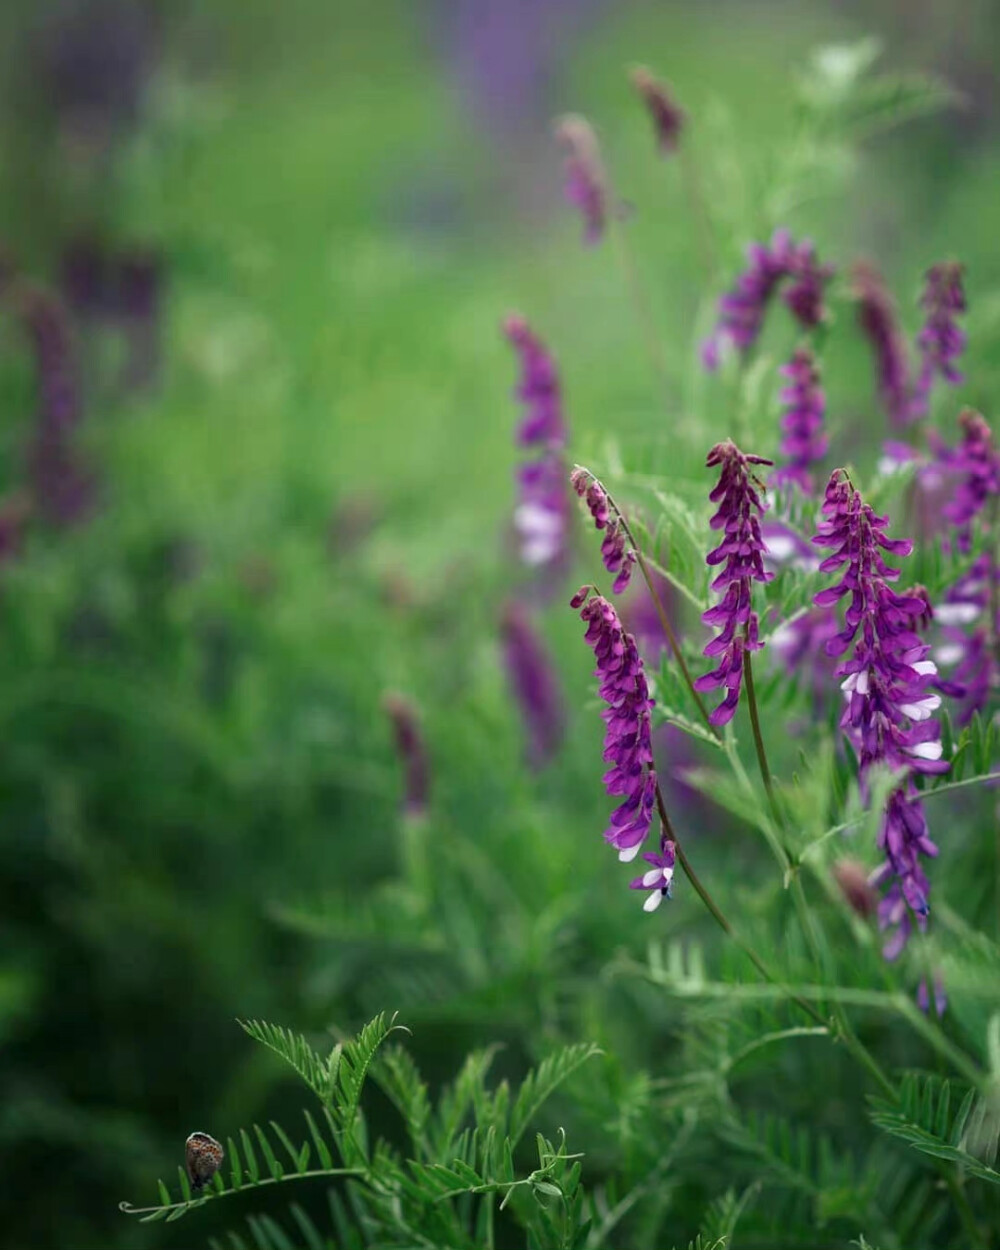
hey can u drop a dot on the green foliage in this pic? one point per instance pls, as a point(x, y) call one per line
point(927, 1119)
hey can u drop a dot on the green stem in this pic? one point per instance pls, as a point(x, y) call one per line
point(758, 739)
point(699, 210)
point(718, 916)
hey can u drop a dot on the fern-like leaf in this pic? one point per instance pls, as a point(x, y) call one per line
point(541, 1083)
point(296, 1052)
point(924, 1120)
point(246, 1172)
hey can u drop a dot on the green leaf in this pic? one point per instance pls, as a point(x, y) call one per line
point(540, 1084)
point(294, 1050)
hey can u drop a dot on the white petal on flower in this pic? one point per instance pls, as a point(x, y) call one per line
point(925, 666)
point(927, 750)
point(957, 613)
point(629, 853)
point(648, 878)
point(654, 900)
point(923, 709)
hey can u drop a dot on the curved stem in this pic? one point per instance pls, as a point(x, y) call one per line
point(717, 914)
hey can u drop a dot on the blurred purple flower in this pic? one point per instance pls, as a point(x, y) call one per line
point(804, 441)
point(942, 340)
point(887, 683)
point(62, 487)
point(586, 184)
point(940, 997)
point(878, 322)
point(616, 551)
point(542, 516)
point(412, 753)
point(742, 310)
point(965, 644)
point(627, 741)
point(534, 683)
point(537, 388)
point(667, 116)
point(742, 548)
point(976, 463)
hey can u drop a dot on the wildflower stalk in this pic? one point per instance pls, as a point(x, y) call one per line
point(699, 211)
point(661, 611)
point(758, 738)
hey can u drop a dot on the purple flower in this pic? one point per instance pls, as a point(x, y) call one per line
point(941, 341)
point(616, 552)
point(742, 549)
point(63, 488)
point(542, 515)
point(940, 997)
point(666, 114)
point(412, 753)
point(586, 184)
point(742, 310)
point(804, 441)
point(968, 653)
point(534, 683)
point(658, 879)
point(888, 718)
point(977, 465)
point(877, 319)
point(627, 744)
point(537, 388)
point(801, 644)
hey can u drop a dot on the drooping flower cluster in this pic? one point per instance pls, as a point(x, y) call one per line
point(741, 553)
point(617, 553)
point(742, 310)
point(542, 515)
point(411, 752)
point(887, 684)
point(585, 181)
point(534, 683)
point(941, 341)
point(627, 738)
point(666, 114)
point(805, 403)
point(878, 322)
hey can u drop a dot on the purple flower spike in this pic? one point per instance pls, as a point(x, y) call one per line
point(968, 653)
point(804, 298)
point(537, 388)
point(616, 551)
point(742, 549)
point(888, 717)
point(804, 441)
point(878, 322)
point(666, 114)
point(412, 753)
point(534, 683)
point(941, 341)
point(586, 184)
point(658, 879)
point(977, 462)
point(743, 309)
point(627, 738)
point(542, 515)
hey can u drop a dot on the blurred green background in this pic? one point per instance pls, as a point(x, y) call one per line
point(304, 499)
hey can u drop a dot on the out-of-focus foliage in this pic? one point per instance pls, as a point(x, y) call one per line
point(303, 487)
